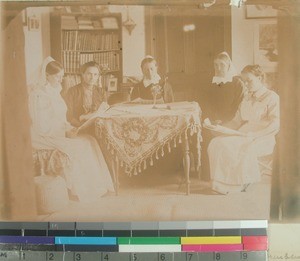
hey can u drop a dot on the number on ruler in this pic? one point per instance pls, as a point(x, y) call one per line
point(189, 256)
point(106, 257)
point(51, 256)
point(162, 257)
point(77, 256)
point(23, 257)
point(217, 256)
point(135, 258)
point(3, 254)
point(244, 255)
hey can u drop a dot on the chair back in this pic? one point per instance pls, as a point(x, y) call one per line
point(118, 97)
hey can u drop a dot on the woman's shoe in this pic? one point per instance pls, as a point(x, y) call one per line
point(217, 192)
point(245, 187)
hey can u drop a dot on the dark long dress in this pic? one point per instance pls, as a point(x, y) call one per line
point(74, 100)
point(220, 102)
point(140, 91)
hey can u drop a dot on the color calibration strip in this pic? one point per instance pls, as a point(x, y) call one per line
point(199, 240)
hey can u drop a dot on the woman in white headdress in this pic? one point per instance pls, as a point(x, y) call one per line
point(221, 100)
point(226, 90)
point(234, 159)
point(87, 176)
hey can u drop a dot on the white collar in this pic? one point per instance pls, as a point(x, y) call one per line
point(218, 80)
point(154, 80)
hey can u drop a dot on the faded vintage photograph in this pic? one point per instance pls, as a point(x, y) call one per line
point(148, 112)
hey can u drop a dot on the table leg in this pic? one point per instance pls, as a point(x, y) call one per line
point(115, 168)
point(187, 163)
point(117, 175)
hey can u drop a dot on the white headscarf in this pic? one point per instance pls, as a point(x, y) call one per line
point(39, 78)
point(230, 73)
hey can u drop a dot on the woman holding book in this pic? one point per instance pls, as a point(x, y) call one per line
point(85, 99)
point(152, 87)
point(234, 159)
point(87, 175)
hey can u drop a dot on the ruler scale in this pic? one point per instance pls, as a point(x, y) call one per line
point(117, 256)
point(135, 241)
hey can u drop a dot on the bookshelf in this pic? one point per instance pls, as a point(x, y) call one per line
point(78, 38)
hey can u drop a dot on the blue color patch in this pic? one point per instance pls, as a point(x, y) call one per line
point(85, 240)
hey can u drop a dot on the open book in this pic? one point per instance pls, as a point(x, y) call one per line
point(221, 129)
point(91, 120)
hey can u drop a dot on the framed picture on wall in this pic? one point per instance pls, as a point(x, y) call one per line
point(112, 85)
point(34, 23)
point(260, 11)
point(265, 44)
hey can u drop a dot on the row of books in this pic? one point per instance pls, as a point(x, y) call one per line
point(90, 41)
point(86, 22)
point(73, 60)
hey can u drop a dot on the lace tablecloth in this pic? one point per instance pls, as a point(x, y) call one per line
point(136, 135)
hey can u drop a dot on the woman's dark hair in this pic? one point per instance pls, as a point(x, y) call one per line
point(147, 60)
point(256, 70)
point(84, 67)
point(53, 67)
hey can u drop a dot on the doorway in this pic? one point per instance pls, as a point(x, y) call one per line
point(184, 43)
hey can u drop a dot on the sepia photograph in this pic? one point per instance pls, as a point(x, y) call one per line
point(131, 111)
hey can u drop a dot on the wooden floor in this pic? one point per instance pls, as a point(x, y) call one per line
point(161, 196)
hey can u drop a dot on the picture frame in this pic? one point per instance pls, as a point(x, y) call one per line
point(112, 84)
point(33, 23)
point(260, 11)
point(266, 45)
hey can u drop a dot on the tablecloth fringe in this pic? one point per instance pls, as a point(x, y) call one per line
point(148, 160)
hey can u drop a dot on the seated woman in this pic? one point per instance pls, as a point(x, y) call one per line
point(226, 91)
point(152, 86)
point(87, 175)
point(84, 99)
point(220, 100)
point(234, 159)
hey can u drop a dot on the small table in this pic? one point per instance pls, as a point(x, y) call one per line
point(136, 134)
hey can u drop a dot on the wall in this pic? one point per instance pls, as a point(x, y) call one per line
point(134, 45)
point(37, 43)
point(242, 38)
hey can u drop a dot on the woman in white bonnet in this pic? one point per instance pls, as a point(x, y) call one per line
point(234, 159)
point(220, 101)
point(87, 176)
point(226, 90)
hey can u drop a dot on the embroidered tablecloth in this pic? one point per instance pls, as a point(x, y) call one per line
point(138, 134)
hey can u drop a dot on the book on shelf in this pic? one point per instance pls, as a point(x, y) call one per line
point(85, 23)
point(69, 22)
point(89, 41)
point(79, 46)
point(109, 23)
